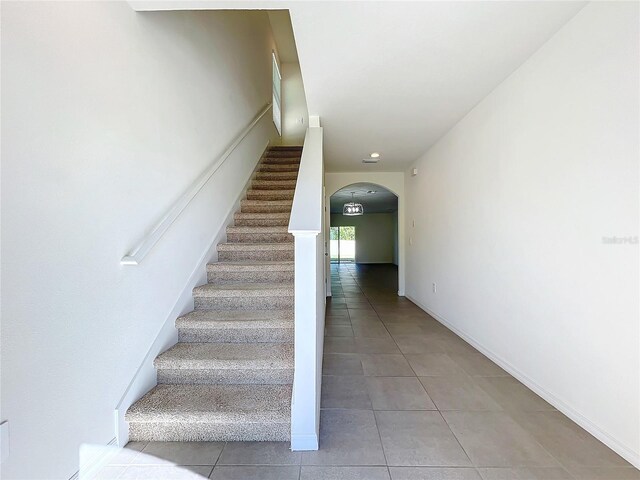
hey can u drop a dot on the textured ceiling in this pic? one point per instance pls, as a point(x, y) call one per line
point(381, 201)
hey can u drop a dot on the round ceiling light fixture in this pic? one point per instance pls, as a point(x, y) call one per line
point(352, 208)
point(375, 155)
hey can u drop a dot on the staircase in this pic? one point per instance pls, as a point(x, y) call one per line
point(229, 376)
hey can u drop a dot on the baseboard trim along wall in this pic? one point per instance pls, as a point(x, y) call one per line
point(145, 377)
point(626, 453)
point(96, 456)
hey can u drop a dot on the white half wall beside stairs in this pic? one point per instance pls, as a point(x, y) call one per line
point(107, 116)
point(513, 210)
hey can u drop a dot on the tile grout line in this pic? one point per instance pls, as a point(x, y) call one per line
point(375, 417)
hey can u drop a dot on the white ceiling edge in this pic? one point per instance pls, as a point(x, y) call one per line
point(283, 35)
point(169, 5)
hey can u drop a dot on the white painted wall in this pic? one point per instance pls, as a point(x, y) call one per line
point(392, 181)
point(294, 105)
point(107, 116)
point(511, 208)
point(375, 235)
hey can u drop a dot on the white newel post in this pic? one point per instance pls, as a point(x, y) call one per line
point(306, 225)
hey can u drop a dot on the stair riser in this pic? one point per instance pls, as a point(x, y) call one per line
point(261, 222)
point(281, 161)
point(267, 255)
point(269, 195)
point(259, 237)
point(284, 154)
point(243, 303)
point(232, 335)
point(279, 167)
point(273, 184)
point(256, 276)
point(234, 376)
point(265, 208)
point(209, 432)
point(276, 175)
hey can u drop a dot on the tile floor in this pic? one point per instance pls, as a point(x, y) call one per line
point(403, 399)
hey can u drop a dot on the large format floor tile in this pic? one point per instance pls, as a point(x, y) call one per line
point(570, 444)
point(605, 473)
point(398, 393)
point(386, 365)
point(181, 453)
point(349, 391)
point(342, 364)
point(376, 345)
point(262, 472)
point(344, 473)
point(338, 331)
point(525, 473)
point(165, 472)
point(494, 439)
point(512, 395)
point(458, 392)
point(419, 438)
point(429, 364)
point(433, 473)
point(477, 364)
point(259, 453)
point(347, 437)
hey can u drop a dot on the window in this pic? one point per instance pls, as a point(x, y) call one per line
point(277, 80)
point(343, 244)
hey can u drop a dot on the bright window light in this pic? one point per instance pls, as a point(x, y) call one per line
point(277, 80)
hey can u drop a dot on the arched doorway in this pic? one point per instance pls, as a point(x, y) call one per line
point(391, 181)
point(368, 241)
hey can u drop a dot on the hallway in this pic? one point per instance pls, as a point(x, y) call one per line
point(402, 390)
point(403, 399)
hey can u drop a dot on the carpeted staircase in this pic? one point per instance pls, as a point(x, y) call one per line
point(229, 376)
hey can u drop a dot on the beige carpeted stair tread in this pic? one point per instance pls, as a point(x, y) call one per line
point(257, 356)
point(214, 404)
point(248, 247)
point(264, 215)
point(245, 290)
point(273, 184)
point(236, 319)
point(253, 266)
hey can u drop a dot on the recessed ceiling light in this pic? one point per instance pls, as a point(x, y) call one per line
point(375, 155)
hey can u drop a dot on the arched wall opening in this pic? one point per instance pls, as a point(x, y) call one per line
point(389, 184)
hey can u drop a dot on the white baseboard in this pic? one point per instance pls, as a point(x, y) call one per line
point(625, 452)
point(145, 377)
point(304, 443)
point(92, 458)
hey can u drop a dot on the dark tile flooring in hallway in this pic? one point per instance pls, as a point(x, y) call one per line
point(403, 398)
